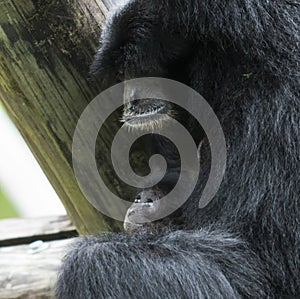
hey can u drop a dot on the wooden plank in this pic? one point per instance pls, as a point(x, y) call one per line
point(24, 231)
point(25, 273)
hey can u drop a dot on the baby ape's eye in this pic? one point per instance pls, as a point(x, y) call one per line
point(137, 199)
point(149, 202)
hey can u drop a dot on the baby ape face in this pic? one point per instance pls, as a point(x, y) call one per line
point(146, 207)
point(142, 211)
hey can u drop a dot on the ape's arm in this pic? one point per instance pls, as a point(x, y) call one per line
point(179, 264)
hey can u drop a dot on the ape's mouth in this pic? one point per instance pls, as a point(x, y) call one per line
point(145, 114)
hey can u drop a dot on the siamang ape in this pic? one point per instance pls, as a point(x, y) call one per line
point(243, 57)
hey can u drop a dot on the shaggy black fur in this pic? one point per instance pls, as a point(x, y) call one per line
point(243, 57)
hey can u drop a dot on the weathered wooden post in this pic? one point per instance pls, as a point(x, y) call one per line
point(46, 47)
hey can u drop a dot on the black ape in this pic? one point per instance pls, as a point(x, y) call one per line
point(243, 57)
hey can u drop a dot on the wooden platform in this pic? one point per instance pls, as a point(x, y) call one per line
point(30, 255)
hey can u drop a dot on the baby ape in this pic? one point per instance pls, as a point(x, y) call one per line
point(243, 57)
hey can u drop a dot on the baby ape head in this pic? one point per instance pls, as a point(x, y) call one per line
point(145, 207)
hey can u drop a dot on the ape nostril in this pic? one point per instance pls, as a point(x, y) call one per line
point(149, 200)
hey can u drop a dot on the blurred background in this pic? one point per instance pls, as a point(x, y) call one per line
point(24, 188)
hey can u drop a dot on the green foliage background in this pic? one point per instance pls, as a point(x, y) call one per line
point(7, 210)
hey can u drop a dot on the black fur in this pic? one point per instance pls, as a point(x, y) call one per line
point(243, 57)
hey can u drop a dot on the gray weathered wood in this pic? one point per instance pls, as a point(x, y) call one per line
point(22, 231)
point(24, 274)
